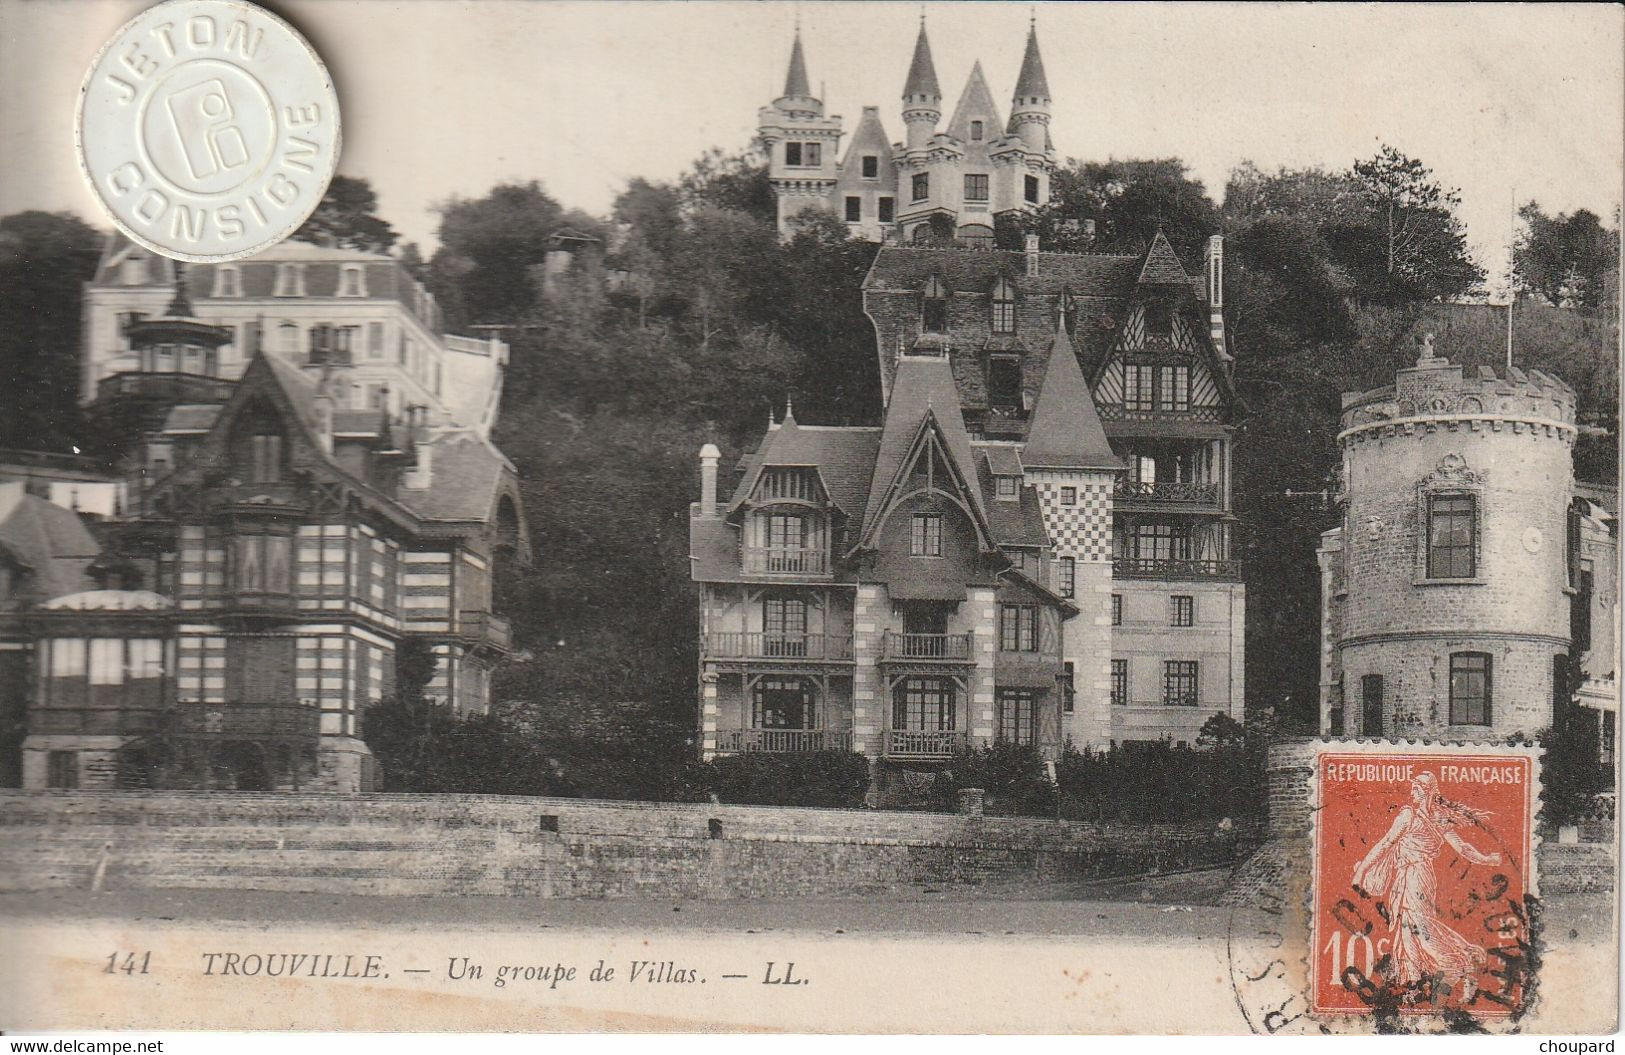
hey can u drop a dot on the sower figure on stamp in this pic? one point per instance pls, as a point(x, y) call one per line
point(1399, 869)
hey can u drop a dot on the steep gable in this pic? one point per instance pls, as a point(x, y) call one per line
point(1066, 432)
point(975, 104)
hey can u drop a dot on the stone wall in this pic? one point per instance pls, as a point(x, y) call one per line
point(534, 847)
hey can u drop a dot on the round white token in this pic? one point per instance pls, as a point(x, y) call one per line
point(209, 129)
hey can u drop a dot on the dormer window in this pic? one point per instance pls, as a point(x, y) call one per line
point(1004, 306)
point(228, 281)
point(352, 281)
point(934, 306)
point(1007, 488)
point(976, 131)
point(290, 280)
point(871, 166)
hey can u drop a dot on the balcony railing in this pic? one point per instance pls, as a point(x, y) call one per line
point(1189, 493)
point(166, 385)
point(278, 495)
point(93, 721)
point(223, 719)
point(921, 744)
point(485, 628)
point(953, 648)
point(786, 560)
point(782, 741)
point(1117, 412)
point(1176, 570)
point(736, 645)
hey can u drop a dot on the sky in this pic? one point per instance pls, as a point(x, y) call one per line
point(445, 98)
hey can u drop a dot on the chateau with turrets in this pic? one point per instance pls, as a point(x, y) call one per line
point(1469, 566)
point(938, 183)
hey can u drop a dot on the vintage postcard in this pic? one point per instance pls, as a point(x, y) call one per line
point(532, 516)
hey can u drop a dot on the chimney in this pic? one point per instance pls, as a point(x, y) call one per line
point(1215, 293)
point(1032, 256)
point(708, 479)
point(422, 471)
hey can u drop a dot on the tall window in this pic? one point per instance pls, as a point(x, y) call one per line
point(925, 535)
point(786, 531)
point(227, 281)
point(287, 335)
point(1137, 387)
point(888, 209)
point(1162, 542)
point(976, 131)
point(934, 306)
point(1068, 575)
point(976, 186)
point(1016, 713)
point(265, 458)
point(871, 166)
point(352, 281)
point(1371, 704)
point(263, 564)
point(1004, 307)
point(784, 622)
point(1452, 523)
point(1117, 609)
point(924, 705)
point(1069, 688)
point(922, 186)
point(1179, 682)
point(375, 340)
point(1182, 610)
point(290, 280)
point(1119, 683)
point(1018, 628)
point(854, 208)
point(1469, 688)
point(1030, 188)
point(1004, 382)
point(1173, 388)
point(782, 703)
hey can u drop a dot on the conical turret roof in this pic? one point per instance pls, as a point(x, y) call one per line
point(795, 81)
point(1066, 432)
point(922, 73)
point(1031, 83)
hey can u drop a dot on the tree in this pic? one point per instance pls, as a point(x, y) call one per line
point(1566, 259)
point(735, 182)
point(482, 270)
point(45, 258)
point(347, 218)
point(1423, 244)
point(1117, 207)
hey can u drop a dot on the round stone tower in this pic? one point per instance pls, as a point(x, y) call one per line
point(1453, 593)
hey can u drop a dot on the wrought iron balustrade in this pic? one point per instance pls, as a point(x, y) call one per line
point(1191, 493)
point(1175, 569)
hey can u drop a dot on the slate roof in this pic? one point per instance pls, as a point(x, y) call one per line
point(976, 101)
point(49, 541)
point(191, 417)
point(795, 81)
point(1019, 523)
point(1031, 81)
point(922, 72)
point(845, 458)
point(1162, 266)
point(1066, 432)
point(465, 481)
point(360, 423)
point(922, 390)
point(906, 269)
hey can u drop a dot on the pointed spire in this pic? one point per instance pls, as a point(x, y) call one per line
point(181, 306)
point(1031, 83)
point(795, 82)
point(789, 411)
point(1066, 432)
point(922, 72)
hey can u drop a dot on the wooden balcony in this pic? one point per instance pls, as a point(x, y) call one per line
point(168, 386)
point(785, 560)
point(771, 647)
point(1128, 492)
point(781, 741)
point(280, 497)
point(485, 629)
point(1175, 570)
point(929, 648)
point(923, 745)
point(1117, 412)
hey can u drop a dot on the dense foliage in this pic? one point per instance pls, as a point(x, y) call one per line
point(833, 779)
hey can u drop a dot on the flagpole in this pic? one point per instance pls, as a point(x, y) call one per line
point(1512, 285)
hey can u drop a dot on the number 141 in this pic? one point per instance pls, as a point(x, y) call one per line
point(131, 965)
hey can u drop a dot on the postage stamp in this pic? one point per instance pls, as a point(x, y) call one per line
point(1423, 882)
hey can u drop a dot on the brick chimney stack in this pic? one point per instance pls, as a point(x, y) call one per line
point(708, 479)
point(1215, 293)
point(1032, 255)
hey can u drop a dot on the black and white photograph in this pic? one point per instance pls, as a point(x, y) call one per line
point(547, 516)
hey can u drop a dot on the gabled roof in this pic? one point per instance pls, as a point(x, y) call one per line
point(1031, 81)
point(466, 480)
point(47, 540)
point(922, 73)
point(869, 138)
point(923, 398)
point(1162, 266)
point(795, 81)
point(1018, 523)
point(1066, 432)
point(975, 103)
point(975, 271)
point(845, 458)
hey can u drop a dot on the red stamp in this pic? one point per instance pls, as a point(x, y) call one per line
point(1421, 880)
